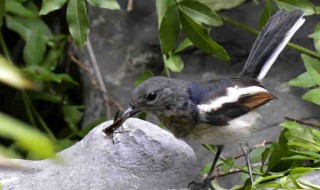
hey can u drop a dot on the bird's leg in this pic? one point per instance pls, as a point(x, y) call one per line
point(246, 151)
point(207, 182)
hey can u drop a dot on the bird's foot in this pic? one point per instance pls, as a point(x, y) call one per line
point(205, 185)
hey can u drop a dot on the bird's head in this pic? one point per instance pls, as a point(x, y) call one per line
point(156, 95)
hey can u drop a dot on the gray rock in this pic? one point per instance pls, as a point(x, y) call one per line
point(143, 157)
point(313, 178)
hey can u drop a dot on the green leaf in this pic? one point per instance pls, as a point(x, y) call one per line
point(162, 7)
point(35, 47)
point(211, 148)
point(17, 25)
point(169, 29)
point(174, 63)
point(227, 165)
point(45, 75)
point(298, 157)
point(2, 12)
point(72, 115)
point(38, 145)
point(290, 5)
point(290, 124)
point(316, 134)
point(18, 9)
point(300, 135)
point(312, 96)
point(265, 154)
point(304, 81)
point(200, 37)
point(205, 169)
point(107, 4)
point(78, 22)
point(275, 164)
point(314, 155)
point(222, 4)
point(266, 178)
point(313, 67)
point(12, 76)
point(53, 56)
point(24, 26)
point(46, 96)
point(299, 145)
point(51, 5)
point(267, 12)
point(255, 155)
point(146, 75)
point(200, 12)
point(307, 185)
point(316, 37)
point(184, 44)
point(295, 173)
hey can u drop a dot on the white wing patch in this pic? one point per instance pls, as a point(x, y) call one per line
point(233, 94)
point(280, 47)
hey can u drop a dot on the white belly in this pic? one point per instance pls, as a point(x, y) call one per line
point(238, 130)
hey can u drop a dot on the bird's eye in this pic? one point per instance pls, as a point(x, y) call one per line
point(151, 96)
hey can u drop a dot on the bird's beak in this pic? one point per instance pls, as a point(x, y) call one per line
point(130, 111)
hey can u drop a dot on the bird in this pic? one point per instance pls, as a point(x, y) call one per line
point(222, 111)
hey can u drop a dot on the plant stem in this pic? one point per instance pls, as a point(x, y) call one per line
point(300, 121)
point(4, 48)
point(38, 117)
point(256, 32)
point(28, 109)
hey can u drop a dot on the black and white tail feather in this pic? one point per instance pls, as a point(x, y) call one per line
point(270, 42)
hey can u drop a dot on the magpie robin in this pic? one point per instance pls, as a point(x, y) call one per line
point(221, 111)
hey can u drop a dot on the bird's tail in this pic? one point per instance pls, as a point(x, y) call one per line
point(271, 41)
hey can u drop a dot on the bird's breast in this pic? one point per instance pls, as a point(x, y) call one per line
point(238, 129)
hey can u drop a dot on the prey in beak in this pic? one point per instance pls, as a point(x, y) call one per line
point(118, 121)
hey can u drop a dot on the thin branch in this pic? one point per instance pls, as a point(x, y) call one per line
point(256, 32)
point(262, 144)
point(4, 48)
point(232, 171)
point(303, 122)
point(99, 77)
point(38, 116)
point(94, 82)
point(130, 5)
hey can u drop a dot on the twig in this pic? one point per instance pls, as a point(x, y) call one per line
point(44, 126)
point(130, 5)
point(99, 77)
point(262, 144)
point(4, 48)
point(232, 171)
point(94, 82)
point(303, 122)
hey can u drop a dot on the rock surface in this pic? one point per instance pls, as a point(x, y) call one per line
point(313, 178)
point(143, 157)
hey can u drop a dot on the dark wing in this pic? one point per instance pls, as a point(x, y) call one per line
point(227, 99)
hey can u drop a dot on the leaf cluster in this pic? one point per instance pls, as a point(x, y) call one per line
point(194, 18)
point(43, 70)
